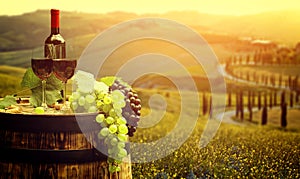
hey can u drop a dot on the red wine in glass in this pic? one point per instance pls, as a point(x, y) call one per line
point(64, 69)
point(42, 68)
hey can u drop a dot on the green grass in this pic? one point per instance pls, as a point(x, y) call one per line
point(12, 71)
point(10, 78)
point(248, 151)
point(234, 152)
point(293, 118)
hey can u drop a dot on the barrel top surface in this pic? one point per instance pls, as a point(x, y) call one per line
point(52, 122)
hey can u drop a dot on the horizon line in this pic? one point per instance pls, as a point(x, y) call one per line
point(166, 12)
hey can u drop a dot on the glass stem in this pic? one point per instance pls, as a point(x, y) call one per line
point(44, 94)
point(65, 94)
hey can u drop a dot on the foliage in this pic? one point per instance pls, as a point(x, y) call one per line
point(7, 101)
point(53, 88)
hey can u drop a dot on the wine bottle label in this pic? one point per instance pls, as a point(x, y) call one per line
point(54, 18)
point(55, 51)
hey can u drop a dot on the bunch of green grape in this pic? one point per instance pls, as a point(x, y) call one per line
point(96, 96)
point(114, 130)
point(83, 99)
point(83, 102)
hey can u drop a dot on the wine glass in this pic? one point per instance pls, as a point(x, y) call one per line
point(42, 68)
point(64, 69)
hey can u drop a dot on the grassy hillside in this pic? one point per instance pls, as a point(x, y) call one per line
point(31, 29)
point(10, 78)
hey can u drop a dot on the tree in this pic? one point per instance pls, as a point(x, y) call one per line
point(265, 99)
point(291, 99)
point(253, 98)
point(290, 81)
point(237, 104)
point(264, 117)
point(297, 96)
point(283, 115)
point(259, 100)
point(280, 80)
point(282, 100)
point(271, 101)
point(250, 105)
point(275, 98)
point(241, 105)
point(229, 98)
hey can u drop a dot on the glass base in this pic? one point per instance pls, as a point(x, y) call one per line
point(65, 108)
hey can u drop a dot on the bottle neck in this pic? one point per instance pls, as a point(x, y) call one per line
point(54, 22)
point(54, 30)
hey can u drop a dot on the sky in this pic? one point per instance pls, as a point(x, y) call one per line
point(227, 7)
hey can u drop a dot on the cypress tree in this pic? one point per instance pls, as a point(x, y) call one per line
point(265, 99)
point(291, 99)
point(283, 115)
point(259, 100)
point(275, 98)
point(282, 100)
point(241, 105)
point(271, 100)
point(250, 105)
point(253, 98)
point(237, 104)
point(264, 115)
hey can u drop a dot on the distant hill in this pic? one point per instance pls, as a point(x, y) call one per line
point(281, 26)
point(29, 30)
point(19, 35)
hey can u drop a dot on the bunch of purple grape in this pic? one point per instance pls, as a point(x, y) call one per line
point(131, 112)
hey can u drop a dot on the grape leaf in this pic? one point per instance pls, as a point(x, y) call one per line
point(53, 88)
point(30, 80)
point(108, 80)
point(7, 101)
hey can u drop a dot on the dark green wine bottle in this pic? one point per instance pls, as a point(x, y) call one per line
point(55, 44)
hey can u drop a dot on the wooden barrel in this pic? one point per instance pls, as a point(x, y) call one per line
point(53, 146)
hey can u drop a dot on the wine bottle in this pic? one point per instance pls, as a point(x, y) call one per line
point(55, 44)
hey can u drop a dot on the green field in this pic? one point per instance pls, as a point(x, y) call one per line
point(236, 151)
point(10, 78)
point(248, 150)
